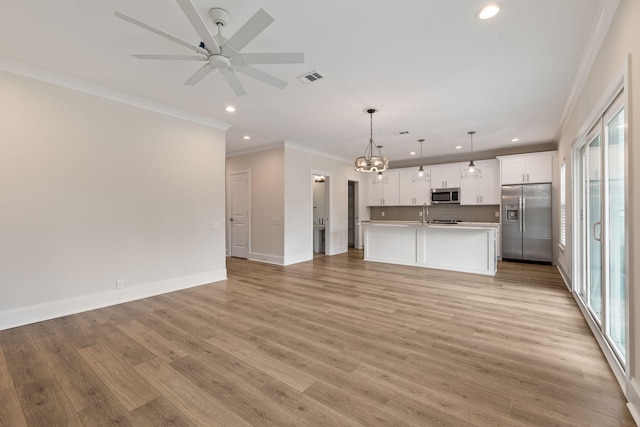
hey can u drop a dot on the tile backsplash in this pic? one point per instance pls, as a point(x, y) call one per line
point(484, 213)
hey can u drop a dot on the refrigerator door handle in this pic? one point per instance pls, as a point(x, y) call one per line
point(520, 214)
point(524, 209)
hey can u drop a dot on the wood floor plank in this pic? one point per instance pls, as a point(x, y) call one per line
point(160, 412)
point(77, 379)
point(333, 341)
point(10, 410)
point(354, 407)
point(130, 389)
point(45, 404)
point(244, 400)
point(22, 357)
point(201, 408)
point(305, 408)
point(152, 341)
point(106, 413)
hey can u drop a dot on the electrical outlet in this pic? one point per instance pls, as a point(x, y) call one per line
point(419, 213)
point(382, 213)
point(119, 284)
point(216, 226)
point(497, 214)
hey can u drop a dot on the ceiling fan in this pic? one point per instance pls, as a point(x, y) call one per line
point(223, 53)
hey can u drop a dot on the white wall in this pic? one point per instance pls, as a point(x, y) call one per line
point(300, 165)
point(93, 190)
point(282, 189)
point(622, 40)
point(267, 202)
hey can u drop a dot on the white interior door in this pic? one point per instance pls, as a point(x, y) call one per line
point(239, 213)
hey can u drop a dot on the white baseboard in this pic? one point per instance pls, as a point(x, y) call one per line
point(565, 275)
point(36, 313)
point(269, 259)
point(294, 259)
point(339, 250)
point(633, 397)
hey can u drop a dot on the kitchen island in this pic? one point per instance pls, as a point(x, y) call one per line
point(466, 247)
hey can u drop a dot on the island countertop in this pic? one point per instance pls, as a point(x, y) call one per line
point(465, 246)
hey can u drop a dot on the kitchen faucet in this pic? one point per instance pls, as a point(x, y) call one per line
point(425, 212)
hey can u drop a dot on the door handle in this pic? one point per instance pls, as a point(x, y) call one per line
point(599, 225)
point(524, 209)
point(520, 214)
point(231, 219)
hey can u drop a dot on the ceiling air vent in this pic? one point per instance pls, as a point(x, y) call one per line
point(310, 77)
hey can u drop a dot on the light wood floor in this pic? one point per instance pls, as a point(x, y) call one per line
point(331, 342)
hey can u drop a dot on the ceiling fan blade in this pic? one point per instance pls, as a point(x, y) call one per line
point(273, 58)
point(250, 30)
point(160, 33)
point(172, 57)
point(200, 74)
point(198, 24)
point(262, 76)
point(232, 78)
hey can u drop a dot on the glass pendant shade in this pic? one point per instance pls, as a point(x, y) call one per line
point(380, 179)
point(369, 162)
point(471, 171)
point(421, 175)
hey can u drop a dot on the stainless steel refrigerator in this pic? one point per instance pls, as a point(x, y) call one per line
point(526, 223)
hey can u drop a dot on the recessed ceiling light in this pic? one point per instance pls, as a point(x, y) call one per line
point(413, 153)
point(458, 147)
point(246, 137)
point(488, 11)
point(230, 109)
point(515, 140)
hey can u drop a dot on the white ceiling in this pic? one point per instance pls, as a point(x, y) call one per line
point(429, 66)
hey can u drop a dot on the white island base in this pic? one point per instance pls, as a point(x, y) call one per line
point(465, 248)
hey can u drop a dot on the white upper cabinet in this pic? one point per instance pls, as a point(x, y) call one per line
point(385, 191)
point(484, 190)
point(445, 176)
point(527, 168)
point(414, 192)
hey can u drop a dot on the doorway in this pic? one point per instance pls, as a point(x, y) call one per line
point(353, 220)
point(601, 238)
point(239, 208)
point(321, 207)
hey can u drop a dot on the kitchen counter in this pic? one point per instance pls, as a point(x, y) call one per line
point(466, 246)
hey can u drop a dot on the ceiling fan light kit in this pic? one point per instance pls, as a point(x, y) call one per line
point(220, 53)
point(369, 162)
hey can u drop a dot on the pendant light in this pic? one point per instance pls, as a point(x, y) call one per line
point(471, 171)
point(369, 162)
point(421, 175)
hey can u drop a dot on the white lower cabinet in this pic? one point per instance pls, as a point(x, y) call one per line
point(484, 190)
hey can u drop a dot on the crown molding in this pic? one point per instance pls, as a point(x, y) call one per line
point(599, 29)
point(103, 92)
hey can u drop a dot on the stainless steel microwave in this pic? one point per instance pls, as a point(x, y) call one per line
point(445, 195)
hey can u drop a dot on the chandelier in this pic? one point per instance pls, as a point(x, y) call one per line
point(369, 162)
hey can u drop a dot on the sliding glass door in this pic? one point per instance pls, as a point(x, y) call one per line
point(601, 240)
